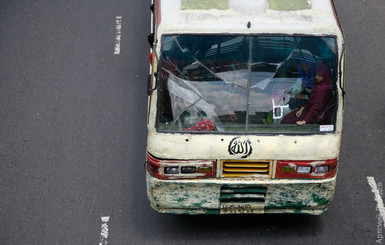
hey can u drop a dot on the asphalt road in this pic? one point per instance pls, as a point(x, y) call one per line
point(73, 133)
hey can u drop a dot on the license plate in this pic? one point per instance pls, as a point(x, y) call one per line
point(238, 209)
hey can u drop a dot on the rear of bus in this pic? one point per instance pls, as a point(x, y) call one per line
point(219, 141)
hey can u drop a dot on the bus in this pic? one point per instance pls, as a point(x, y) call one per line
point(245, 106)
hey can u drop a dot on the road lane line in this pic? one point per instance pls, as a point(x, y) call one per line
point(377, 198)
point(118, 34)
point(104, 230)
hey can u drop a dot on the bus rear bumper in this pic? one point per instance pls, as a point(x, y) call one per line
point(235, 196)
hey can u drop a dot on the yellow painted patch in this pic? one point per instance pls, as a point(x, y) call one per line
point(205, 4)
point(292, 5)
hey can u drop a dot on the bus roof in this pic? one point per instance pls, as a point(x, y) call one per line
point(248, 16)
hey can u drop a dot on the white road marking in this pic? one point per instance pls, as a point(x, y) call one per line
point(118, 34)
point(377, 198)
point(104, 230)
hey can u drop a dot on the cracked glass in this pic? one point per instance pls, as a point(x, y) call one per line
point(246, 84)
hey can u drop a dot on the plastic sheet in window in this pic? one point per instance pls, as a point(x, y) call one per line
point(187, 99)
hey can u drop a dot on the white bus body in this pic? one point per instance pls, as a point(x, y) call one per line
point(225, 73)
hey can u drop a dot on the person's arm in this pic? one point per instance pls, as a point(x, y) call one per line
point(314, 109)
point(299, 112)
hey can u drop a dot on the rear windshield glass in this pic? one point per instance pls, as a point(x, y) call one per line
point(249, 84)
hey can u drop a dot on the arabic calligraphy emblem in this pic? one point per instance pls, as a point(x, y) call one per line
point(239, 146)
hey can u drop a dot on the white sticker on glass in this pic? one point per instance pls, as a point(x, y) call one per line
point(326, 128)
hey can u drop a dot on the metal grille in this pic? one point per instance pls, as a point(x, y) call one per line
point(239, 168)
point(237, 195)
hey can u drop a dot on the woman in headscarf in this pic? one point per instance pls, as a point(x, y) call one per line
point(301, 92)
point(320, 97)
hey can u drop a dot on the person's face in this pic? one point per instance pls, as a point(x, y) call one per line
point(318, 78)
point(305, 67)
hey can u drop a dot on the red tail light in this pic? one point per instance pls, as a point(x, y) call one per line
point(180, 169)
point(306, 169)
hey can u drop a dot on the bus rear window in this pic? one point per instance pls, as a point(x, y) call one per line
point(247, 84)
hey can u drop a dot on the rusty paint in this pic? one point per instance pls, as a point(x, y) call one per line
point(203, 196)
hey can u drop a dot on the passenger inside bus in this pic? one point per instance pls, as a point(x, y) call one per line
point(301, 92)
point(319, 101)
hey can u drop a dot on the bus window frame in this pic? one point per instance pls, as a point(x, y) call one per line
point(336, 77)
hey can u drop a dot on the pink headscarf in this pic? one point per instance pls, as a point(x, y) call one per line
point(324, 71)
